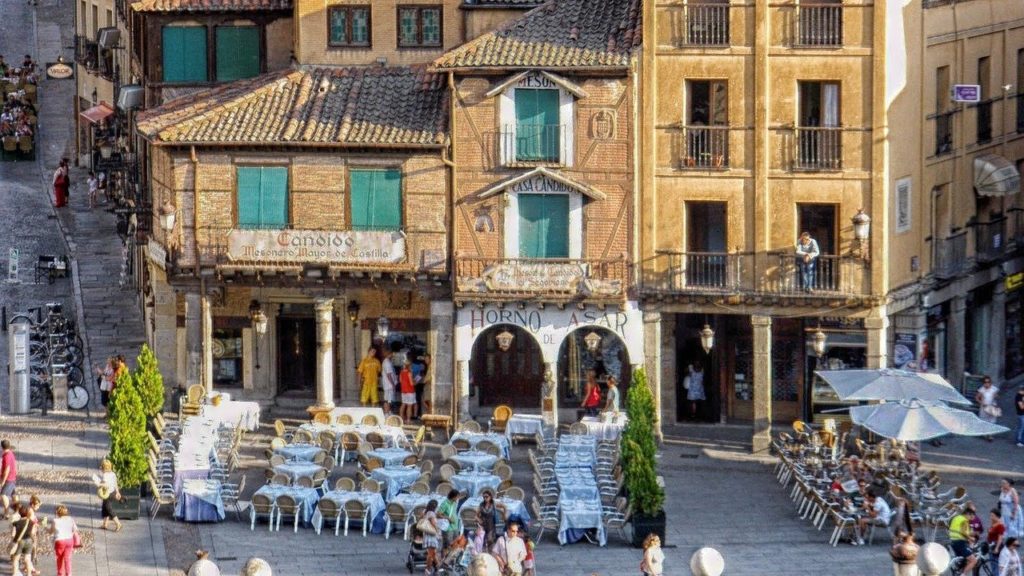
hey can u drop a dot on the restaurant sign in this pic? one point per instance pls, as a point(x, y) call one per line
point(518, 276)
point(317, 246)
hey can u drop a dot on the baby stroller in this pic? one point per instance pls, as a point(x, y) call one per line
point(417, 557)
point(456, 559)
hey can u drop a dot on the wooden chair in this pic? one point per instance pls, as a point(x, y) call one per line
point(373, 463)
point(281, 430)
point(396, 515)
point(344, 419)
point(281, 480)
point(469, 518)
point(447, 471)
point(447, 451)
point(443, 488)
point(499, 419)
point(376, 440)
point(514, 493)
point(394, 420)
point(427, 466)
point(302, 437)
point(461, 444)
point(277, 443)
point(304, 481)
point(369, 485)
point(355, 511)
point(503, 471)
point(578, 429)
point(277, 460)
point(410, 460)
point(349, 446)
point(287, 506)
point(261, 506)
point(470, 426)
point(329, 510)
point(25, 144)
point(346, 484)
point(369, 420)
point(419, 488)
point(322, 418)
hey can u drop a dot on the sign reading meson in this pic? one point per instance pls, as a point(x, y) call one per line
point(316, 246)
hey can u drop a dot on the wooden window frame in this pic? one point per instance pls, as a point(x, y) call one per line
point(348, 26)
point(419, 25)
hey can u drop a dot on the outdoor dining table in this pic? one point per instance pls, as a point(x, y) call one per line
point(200, 501)
point(513, 507)
point(294, 470)
point(606, 427)
point(395, 478)
point(373, 502)
point(576, 516)
point(393, 435)
point(234, 413)
point(299, 452)
point(475, 459)
point(570, 456)
point(475, 438)
point(577, 483)
point(473, 482)
point(197, 445)
point(410, 501)
point(390, 456)
point(306, 498)
point(524, 425)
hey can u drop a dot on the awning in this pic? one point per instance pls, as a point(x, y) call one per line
point(995, 176)
point(97, 113)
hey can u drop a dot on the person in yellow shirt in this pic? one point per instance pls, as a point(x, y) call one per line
point(961, 538)
point(369, 371)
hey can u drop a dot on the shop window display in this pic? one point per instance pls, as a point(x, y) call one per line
point(227, 357)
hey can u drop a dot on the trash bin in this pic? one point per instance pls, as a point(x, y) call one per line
point(19, 359)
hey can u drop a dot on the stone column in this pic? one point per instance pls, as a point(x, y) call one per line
point(997, 342)
point(324, 312)
point(762, 382)
point(956, 341)
point(877, 325)
point(193, 338)
point(549, 395)
point(442, 355)
point(207, 342)
point(652, 365)
point(462, 391)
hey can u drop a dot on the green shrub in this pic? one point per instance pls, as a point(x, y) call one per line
point(639, 448)
point(149, 382)
point(127, 433)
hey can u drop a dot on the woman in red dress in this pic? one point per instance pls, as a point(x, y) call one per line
point(61, 184)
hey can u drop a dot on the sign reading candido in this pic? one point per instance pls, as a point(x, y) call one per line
point(326, 247)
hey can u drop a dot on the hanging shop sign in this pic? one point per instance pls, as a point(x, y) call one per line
point(540, 277)
point(1014, 281)
point(317, 246)
point(59, 70)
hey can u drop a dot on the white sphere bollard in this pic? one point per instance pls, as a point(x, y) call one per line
point(256, 567)
point(707, 562)
point(484, 565)
point(933, 559)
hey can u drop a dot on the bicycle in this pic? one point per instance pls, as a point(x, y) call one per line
point(982, 568)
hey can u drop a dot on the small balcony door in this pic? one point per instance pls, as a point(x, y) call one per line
point(538, 129)
point(818, 133)
point(706, 260)
point(707, 121)
point(543, 226)
point(820, 221)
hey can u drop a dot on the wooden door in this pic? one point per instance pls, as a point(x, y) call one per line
point(512, 376)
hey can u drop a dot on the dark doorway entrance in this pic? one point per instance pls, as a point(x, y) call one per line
point(296, 356)
point(689, 352)
point(513, 376)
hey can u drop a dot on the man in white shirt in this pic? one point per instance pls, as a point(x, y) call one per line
point(203, 566)
point(510, 551)
point(388, 380)
point(878, 513)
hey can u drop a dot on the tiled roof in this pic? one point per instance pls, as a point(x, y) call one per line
point(558, 34)
point(314, 105)
point(210, 5)
point(501, 3)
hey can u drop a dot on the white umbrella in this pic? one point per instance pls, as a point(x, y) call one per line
point(891, 384)
point(915, 420)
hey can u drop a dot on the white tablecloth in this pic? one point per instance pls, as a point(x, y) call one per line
point(410, 501)
point(524, 425)
point(357, 413)
point(577, 483)
point(233, 413)
point(474, 438)
point(373, 502)
point(197, 445)
point(296, 469)
point(200, 501)
point(606, 430)
point(224, 396)
point(395, 478)
point(299, 452)
point(580, 515)
point(512, 507)
point(473, 482)
point(305, 497)
point(393, 435)
point(475, 460)
point(390, 456)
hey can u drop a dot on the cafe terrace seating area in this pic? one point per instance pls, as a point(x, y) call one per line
point(18, 119)
point(827, 487)
point(356, 472)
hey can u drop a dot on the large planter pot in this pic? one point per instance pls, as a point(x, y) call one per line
point(128, 507)
point(644, 525)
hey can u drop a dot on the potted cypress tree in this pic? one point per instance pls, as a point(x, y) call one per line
point(128, 445)
point(638, 450)
point(149, 382)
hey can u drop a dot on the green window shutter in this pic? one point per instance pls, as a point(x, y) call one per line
point(194, 54)
point(238, 52)
point(376, 199)
point(543, 226)
point(248, 197)
point(173, 53)
point(273, 197)
point(538, 132)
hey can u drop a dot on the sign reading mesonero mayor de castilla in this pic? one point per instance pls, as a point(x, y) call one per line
point(317, 246)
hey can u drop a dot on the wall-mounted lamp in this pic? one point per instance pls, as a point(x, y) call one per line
point(383, 327)
point(353, 311)
point(707, 338)
point(862, 232)
point(504, 340)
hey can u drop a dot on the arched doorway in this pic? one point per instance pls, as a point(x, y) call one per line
point(591, 351)
point(512, 376)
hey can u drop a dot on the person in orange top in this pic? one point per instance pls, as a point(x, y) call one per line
point(408, 391)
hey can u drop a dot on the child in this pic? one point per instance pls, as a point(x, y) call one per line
point(94, 186)
point(528, 562)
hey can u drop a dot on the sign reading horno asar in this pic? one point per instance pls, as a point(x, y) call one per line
point(317, 246)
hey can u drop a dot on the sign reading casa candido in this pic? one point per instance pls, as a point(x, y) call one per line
point(318, 246)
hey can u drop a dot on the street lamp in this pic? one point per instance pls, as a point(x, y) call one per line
point(707, 562)
point(707, 339)
point(862, 231)
point(933, 559)
point(504, 340)
point(353, 311)
point(383, 327)
point(592, 340)
point(259, 325)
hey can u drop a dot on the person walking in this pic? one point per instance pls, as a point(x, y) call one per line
point(408, 391)
point(510, 551)
point(487, 514)
point(986, 397)
point(94, 187)
point(611, 403)
point(388, 380)
point(430, 540)
point(61, 184)
point(1009, 559)
point(106, 376)
point(423, 388)
point(653, 563)
point(591, 396)
point(65, 535)
point(1009, 508)
point(369, 372)
point(203, 566)
point(8, 475)
point(108, 492)
point(1018, 403)
point(806, 258)
point(695, 389)
point(529, 565)
point(23, 533)
point(904, 554)
point(449, 511)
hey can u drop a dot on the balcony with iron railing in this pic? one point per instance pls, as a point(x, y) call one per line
point(818, 149)
point(597, 279)
point(989, 240)
point(819, 25)
point(705, 147)
point(983, 110)
point(944, 132)
point(950, 256)
point(706, 25)
point(86, 52)
point(523, 143)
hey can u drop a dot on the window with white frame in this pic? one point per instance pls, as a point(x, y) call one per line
point(543, 219)
point(537, 120)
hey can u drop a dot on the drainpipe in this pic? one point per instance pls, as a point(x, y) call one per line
point(195, 209)
point(456, 397)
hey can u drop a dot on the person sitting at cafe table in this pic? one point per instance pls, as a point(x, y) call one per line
point(961, 537)
point(854, 470)
point(878, 514)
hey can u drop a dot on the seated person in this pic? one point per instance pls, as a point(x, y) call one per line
point(961, 537)
point(878, 513)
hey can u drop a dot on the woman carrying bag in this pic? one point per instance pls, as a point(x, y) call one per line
point(65, 539)
point(23, 533)
point(108, 491)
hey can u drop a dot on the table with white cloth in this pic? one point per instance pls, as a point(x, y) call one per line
point(473, 482)
point(373, 502)
point(475, 459)
point(395, 478)
point(512, 506)
point(576, 516)
point(294, 470)
point(234, 413)
point(606, 427)
point(475, 438)
point(224, 396)
point(410, 501)
point(357, 413)
point(524, 425)
point(577, 483)
point(390, 456)
point(306, 498)
point(575, 457)
point(197, 449)
point(393, 435)
point(200, 501)
point(299, 452)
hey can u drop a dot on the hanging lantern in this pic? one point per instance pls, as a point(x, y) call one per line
point(818, 342)
point(592, 340)
point(504, 340)
point(353, 311)
point(707, 339)
point(258, 318)
point(861, 225)
point(383, 327)
point(168, 213)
